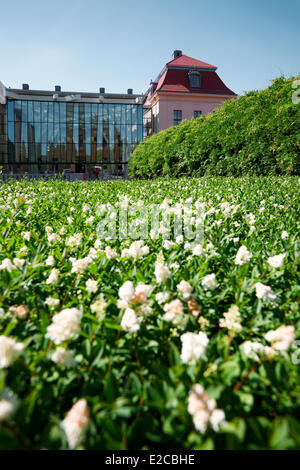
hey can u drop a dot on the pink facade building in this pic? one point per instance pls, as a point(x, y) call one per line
point(185, 89)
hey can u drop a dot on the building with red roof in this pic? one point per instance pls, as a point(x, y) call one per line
point(185, 89)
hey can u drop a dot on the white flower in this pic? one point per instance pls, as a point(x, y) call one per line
point(53, 238)
point(193, 346)
point(7, 264)
point(243, 256)
point(110, 252)
point(92, 286)
point(284, 235)
point(53, 277)
point(197, 250)
point(51, 302)
point(99, 306)
point(253, 350)
point(185, 289)
point(26, 235)
point(24, 250)
point(80, 265)
point(9, 351)
point(136, 250)
point(64, 358)
point(19, 262)
point(74, 240)
point(204, 411)
point(126, 291)
point(162, 297)
point(174, 312)
point(8, 404)
point(209, 281)
point(281, 338)
point(277, 261)
point(179, 239)
point(76, 422)
point(161, 272)
point(65, 325)
point(50, 261)
point(129, 321)
point(265, 293)
point(216, 419)
point(70, 220)
point(232, 320)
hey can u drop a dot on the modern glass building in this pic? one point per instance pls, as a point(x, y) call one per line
point(77, 133)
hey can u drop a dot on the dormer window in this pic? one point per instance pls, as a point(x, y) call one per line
point(195, 79)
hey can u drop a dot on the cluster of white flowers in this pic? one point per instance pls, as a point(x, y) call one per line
point(161, 272)
point(8, 404)
point(282, 338)
point(203, 410)
point(209, 282)
point(174, 313)
point(65, 325)
point(243, 256)
point(255, 350)
point(276, 261)
point(265, 293)
point(232, 320)
point(53, 277)
point(193, 346)
point(133, 301)
point(136, 250)
point(52, 302)
point(7, 264)
point(110, 253)
point(76, 422)
point(9, 351)
point(64, 358)
point(130, 321)
point(50, 261)
point(91, 286)
point(185, 289)
point(162, 297)
point(74, 240)
point(99, 306)
point(80, 265)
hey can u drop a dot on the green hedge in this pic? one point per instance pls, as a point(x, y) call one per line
point(258, 133)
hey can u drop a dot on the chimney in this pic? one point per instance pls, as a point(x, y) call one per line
point(57, 88)
point(129, 91)
point(101, 91)
point(25, 86)
point(177, 54)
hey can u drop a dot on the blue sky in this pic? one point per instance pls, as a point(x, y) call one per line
point(119, 44)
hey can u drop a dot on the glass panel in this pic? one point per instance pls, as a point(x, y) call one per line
point(30, 111)
point(117, 113)
point(10, 111)
point(63, 112)
point(11, 131)
point(24, 132)
point(87, 113)
point(37, 111)
point(18, 105)
point(44, 111)
point(50, 132)
point(111, 113)
point(50, 112)
point(76, 113)
point(134, 115)
point(24, 111)
point(56, 112)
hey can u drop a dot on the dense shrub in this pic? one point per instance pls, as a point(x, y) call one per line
point(258, 133)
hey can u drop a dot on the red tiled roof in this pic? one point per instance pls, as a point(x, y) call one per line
point(177, 80)
point(186, 61)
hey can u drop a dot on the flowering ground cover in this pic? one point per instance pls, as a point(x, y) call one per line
point(163, 341)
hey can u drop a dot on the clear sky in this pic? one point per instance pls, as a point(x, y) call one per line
point(119, 44)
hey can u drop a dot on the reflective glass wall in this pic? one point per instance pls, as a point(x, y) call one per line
point(77, 137)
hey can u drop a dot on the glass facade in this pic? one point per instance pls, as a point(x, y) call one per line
point(50, 136)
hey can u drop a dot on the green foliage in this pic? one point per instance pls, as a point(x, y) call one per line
point(257, 134)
